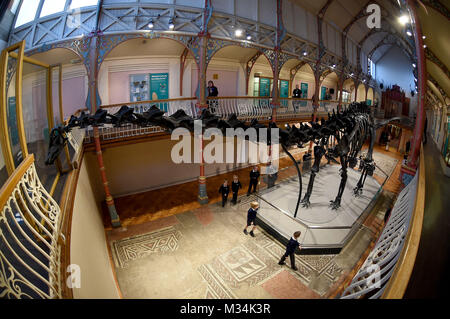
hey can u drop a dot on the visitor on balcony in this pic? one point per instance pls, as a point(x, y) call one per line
point(212, 92)
point(297, 93)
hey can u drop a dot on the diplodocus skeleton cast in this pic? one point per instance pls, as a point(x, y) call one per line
point(351, 128)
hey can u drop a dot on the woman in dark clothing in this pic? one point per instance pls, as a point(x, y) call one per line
point(212, 90)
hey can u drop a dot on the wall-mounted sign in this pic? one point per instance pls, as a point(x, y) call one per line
point(12, 121)
point(264, 87)
point(284, 89)
point(159, 86)
point(304, 88)
point(139, 87)
point(323, 92)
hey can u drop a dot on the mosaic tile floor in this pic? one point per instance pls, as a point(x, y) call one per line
point(204, 254)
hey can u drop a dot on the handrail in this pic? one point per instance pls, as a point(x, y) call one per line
point(388, 267)
point(148, 102)
point(396, 287)
point(30, 229)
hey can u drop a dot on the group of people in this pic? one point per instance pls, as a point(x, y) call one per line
point(224, 189)
point(292, 244)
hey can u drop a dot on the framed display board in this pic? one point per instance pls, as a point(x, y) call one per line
point(323, 92)
point(159, 86)
point(12, 121)
point(304, 89)
point(264, 87)
point(139, 87)
point(284, 89)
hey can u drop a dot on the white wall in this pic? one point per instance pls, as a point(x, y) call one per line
point(394, 68)
point(88, 247)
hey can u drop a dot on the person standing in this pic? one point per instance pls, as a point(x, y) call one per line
point(251, 218)
point(272, 175)
point(212, 90)
point(297, 93)
point(224, 190)
point(290, 250)
point(254, 178)
point(235, 185)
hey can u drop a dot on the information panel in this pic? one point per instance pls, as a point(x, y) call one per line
point(304, 88)
point(159, 86)
point(323, 92)
point(264, 87)
point(284, 89)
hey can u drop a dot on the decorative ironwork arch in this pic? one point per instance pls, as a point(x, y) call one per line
point(107, 43)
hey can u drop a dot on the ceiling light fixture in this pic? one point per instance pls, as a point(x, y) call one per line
point(424, 37)
point(238, 33)
point(404, 19)
point(171, 24)
point(305, 53)
point(409, 33)
point(150, 24)
point(414, 65)
point(249, 37)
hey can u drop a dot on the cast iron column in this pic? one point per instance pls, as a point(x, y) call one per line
point(94, 102)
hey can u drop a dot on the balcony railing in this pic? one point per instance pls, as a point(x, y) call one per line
point(386, 271)
point(29, 237)
point(246, 108)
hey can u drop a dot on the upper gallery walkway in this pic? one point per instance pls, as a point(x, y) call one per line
point(430, 276)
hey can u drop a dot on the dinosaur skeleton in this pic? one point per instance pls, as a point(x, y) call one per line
point(350, 128)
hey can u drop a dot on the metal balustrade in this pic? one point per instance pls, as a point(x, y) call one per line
point(29, 233)
point(246, 108)
point(372, 278)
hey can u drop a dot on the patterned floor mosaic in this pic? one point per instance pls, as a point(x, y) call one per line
point(255, 262)
point(127, 250)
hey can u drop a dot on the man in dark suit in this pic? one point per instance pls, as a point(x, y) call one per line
point(297, 93)
point(224, 190)
point(254, 178)
point(290, 250)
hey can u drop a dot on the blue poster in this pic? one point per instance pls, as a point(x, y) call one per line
point(264, 87)
point(159, 88)
point(369, 102)
point(284, 89)
point(304, 88)
point(12, 121)
point(323, 92)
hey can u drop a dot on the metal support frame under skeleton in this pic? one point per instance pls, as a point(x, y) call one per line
point(350, 128)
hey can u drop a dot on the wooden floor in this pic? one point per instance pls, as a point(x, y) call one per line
point(148, 206)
